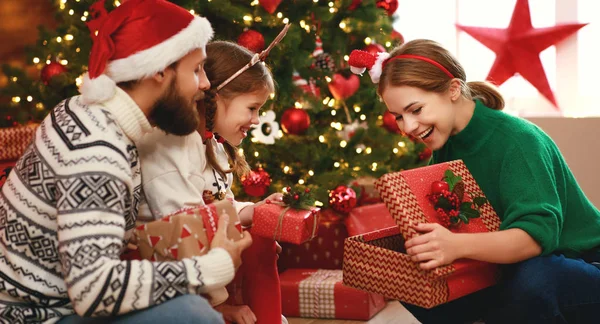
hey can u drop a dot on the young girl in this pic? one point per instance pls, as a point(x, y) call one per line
point(194, 170)
point(550, 232)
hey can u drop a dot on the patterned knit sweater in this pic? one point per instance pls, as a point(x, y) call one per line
point(66, 213)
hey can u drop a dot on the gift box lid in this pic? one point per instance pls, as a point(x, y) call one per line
point(408, 196)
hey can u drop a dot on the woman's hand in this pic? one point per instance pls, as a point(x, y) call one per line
point(435, 247)
point(237, 314)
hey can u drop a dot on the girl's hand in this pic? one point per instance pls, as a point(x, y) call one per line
point(237, 314)
point(435, 247)
point(272, 197)
point(247, 213)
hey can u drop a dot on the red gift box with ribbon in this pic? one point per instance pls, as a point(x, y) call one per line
point(368, 218)
point(282, 223)
point(325, 251)
point(320, 293)
point(377, 261)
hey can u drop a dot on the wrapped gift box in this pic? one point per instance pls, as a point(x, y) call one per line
point(285, 224)
point(5, 168)
point(377, 262)
point(185, 233)
point(321, 294)
point(365, 190)
point(14, 141)
point(325, 251)
point(368, 218)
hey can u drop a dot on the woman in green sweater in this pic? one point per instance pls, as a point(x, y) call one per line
point(550, 231)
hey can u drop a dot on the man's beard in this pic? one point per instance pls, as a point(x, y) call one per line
point(175, 115)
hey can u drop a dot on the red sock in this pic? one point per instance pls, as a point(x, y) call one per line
point(261, 290)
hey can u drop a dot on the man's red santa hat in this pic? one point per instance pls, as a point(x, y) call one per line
point(137, 40)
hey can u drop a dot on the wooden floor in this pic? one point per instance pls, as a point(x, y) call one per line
point(393, 313)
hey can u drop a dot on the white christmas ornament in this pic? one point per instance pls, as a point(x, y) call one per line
point(267, 130)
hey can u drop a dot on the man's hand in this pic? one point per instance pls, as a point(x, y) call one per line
point(237, 314)
point(435, 246)
point(234, 248)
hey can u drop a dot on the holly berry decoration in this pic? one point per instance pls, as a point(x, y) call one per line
point(374, 48)
point(298, 197)
point(51, 70)
point(389, 123)
point(342, 199)
point(389, 5)
point(323, 60)
point(450, 201)
point(252, 40)
point(344, 84)
point(295, 121)
point(269, 5)
point(437, 187)
point(256, 183)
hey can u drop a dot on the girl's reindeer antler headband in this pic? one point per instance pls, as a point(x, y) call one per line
point(257, 57)
point(359, 61)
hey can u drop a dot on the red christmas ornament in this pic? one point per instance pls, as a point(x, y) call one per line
point(389, 122)
point(252, 40)
point(438, 186)
point(374, 48)
point(256, 183)
point(342, 199)
point(342, 87)
point(389, 5)
point(397, 36)
point(269, 5)
point(518, 48)
point(51, 70)
point(295, 121)
point(425, 154)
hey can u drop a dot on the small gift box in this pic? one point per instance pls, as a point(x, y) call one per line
point(5, 168)
point(14, 141)
point(325, 251)
point(284, 223)
point(185, 233)
point(321, 294)
point(444, 193)
point(368, 218)
point(365, 191)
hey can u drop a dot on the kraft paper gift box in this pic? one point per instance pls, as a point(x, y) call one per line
point(320, 293)
point(185, 233)
point(283, 223)
point(377, 261)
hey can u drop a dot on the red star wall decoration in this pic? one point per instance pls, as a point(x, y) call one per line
point(518, 48)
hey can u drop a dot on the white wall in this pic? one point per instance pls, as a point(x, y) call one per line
point(579, 141)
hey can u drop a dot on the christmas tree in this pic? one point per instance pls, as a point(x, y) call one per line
point(323, 128)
